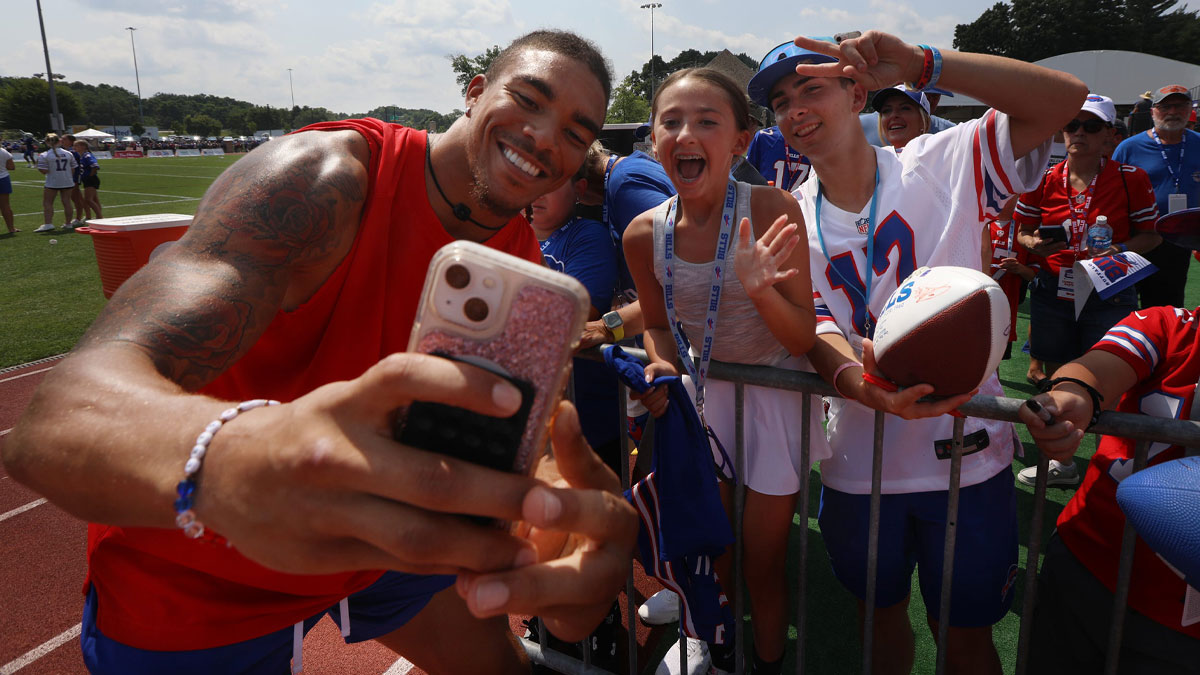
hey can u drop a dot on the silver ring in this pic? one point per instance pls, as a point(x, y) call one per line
point(850, 35)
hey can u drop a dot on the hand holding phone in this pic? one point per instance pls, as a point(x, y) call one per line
point(515, 319)
point(1053, 233)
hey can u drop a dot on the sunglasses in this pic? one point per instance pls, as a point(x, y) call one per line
point(1091, 126)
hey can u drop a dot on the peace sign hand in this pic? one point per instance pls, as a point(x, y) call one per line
point(875, 60)
point(758, 263)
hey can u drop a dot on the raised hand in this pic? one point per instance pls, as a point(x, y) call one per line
point(758, 263)
point(875, 59)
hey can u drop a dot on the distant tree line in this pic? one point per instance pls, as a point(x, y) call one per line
point(630, 97)
point(25, 106)
point(1031, 30)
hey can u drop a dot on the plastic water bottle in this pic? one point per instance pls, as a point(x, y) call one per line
point(1099, 236)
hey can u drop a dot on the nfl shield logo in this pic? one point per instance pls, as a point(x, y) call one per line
point(862, 224)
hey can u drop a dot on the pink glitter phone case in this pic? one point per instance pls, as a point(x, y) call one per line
point(480, 305)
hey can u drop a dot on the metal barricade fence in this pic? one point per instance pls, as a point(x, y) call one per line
point(1143, 428)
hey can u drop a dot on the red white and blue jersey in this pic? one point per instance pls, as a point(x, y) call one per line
point(1122, 193)
point(776, 160)
point(933, 201)
point(1162, 346)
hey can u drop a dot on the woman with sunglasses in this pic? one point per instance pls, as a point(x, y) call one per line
point(1073, 194)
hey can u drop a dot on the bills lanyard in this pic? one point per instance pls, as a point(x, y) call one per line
point(870, 275)
point(714, 298)
point(1163, 150)
point(1080, 203)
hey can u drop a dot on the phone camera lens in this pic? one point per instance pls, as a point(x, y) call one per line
point(476, 309)
point(458, 276)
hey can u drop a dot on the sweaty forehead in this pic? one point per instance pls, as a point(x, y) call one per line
point(558, 77)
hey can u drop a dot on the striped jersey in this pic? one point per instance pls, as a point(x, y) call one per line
point(1162, 346)
point(933, 201)
point(1122, 193)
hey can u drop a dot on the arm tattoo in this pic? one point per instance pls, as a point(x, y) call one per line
point(201, 305)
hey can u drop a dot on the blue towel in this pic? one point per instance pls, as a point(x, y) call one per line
point(683, 523)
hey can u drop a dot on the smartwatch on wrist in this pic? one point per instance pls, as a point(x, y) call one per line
point(615, 325)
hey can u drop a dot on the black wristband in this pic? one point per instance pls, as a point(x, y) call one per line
point(1048, 384)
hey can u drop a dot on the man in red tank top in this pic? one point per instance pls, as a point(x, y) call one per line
point(298, 281)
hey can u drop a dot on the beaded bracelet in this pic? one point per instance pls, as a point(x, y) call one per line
point(185, 517)
point(1049, 384)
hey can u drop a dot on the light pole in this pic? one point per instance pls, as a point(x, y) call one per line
point(291, 89)
point(652, 6)
point(136, 78)
point(56, 121)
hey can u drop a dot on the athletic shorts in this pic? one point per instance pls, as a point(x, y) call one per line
point(377, 610)
point(1056, 335)
point(91, 182)
point(6, 185)
point(912, 532)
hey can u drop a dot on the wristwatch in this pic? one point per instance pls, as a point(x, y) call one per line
point(615, 325)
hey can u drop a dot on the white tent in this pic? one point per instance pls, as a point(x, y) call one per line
point(1120, 75)
point(93, 135)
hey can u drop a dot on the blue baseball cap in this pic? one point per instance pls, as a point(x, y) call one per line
point(918, 97)
point(779, 62)
point(643, 131)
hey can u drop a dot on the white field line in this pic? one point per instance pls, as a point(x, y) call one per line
point(17, 377)
point(108, 207)
point(118, 192)
point(41, 650)
point(22, 509)
point(400, 667)
point(155, 174)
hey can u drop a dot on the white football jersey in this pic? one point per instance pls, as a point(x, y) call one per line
point(932, 202)
point(61, 166)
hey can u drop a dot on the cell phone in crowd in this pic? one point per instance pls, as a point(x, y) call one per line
point(508, 316)
point(1049, 233)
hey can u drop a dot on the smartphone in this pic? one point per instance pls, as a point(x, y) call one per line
point(518, 320)
point(1050, 233)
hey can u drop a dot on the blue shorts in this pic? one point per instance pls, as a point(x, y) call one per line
point(912, 531)
point(6, 185)
point(377, 610)
point(1056, 335)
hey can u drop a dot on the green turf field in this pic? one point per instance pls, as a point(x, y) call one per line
point(50, 292)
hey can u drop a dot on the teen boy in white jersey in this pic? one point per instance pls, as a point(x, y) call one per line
point(923, 207)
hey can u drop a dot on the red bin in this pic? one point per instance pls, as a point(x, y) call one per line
point(124, 245)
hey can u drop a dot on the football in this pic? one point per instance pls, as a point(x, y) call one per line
point(944, 326)
point(1163, 504)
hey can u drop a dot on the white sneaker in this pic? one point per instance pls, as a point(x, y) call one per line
point(698, 661)
point(660, 608)
point(1060, 474)
point(45, 228)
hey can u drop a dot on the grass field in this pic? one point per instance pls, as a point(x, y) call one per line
point(50, 292)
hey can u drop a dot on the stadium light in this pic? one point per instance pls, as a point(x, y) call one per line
point(136, 78)
point(56, 120)
point(652, 6)
point(291, 89)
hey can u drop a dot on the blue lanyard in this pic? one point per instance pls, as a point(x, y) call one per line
point(869, 272)
point(1163, 150)
point(714, 299)
point(612, 160)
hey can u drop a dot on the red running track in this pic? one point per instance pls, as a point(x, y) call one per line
point(43, 564)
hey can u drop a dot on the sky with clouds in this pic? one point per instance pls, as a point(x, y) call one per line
point(352, 55)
